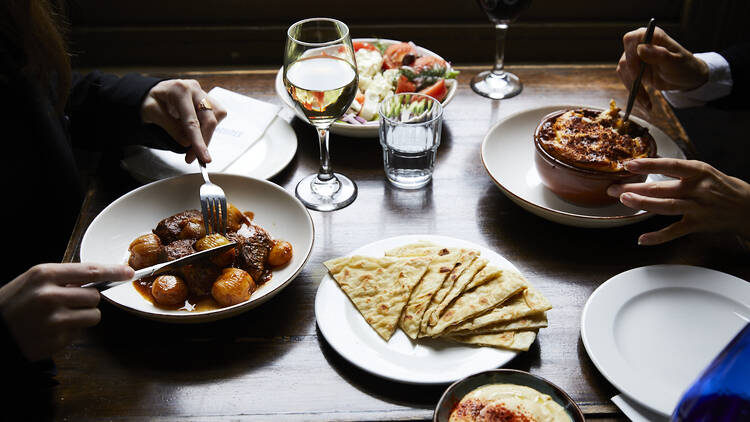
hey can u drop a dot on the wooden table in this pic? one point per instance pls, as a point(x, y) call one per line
point(271, 363)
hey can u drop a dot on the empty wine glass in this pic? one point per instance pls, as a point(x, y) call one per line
point(320, 75)
point(497, 83)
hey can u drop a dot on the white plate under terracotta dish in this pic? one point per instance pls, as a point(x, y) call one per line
point(652, 330)
point(424, 361)
point(137, 212)
point(508, 156)
point(265, 159)
point(369, 130)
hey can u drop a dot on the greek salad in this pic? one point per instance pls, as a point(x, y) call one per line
point(394, 68)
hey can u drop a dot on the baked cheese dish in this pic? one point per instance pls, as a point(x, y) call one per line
point(593, 140)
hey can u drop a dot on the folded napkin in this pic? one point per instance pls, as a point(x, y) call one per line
point(246, 122)
point(635, 412)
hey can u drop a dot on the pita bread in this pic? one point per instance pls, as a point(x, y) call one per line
point(464, 262)
point(529, 302)
point(512, 340)
point(460, 285)
point(378, 287)
point(479, 300)
point(442, 264)
point(531, 322)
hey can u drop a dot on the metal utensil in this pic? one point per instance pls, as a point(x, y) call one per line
point(637, 82)
point(163, 267)
point(213, 205)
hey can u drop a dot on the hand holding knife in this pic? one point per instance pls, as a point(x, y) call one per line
point(163, 267)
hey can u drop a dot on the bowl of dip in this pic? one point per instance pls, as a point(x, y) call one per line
point(506, 394)
point(580, 152)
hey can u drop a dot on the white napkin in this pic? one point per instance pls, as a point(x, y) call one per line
point(246, 122)
point(635, 412)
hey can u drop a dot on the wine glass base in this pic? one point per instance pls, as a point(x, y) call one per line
point(329, 195)
point(496, 85)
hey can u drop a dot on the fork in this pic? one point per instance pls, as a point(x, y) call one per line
point(637, 82)
point(213, 205)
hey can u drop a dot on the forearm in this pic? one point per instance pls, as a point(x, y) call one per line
point(105, 112)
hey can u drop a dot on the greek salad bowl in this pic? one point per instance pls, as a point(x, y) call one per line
point(385, 67)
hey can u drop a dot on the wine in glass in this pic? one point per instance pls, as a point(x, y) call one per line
point(320, 75)
point(497, 83)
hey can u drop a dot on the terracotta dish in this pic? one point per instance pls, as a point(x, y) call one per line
point(580, 152)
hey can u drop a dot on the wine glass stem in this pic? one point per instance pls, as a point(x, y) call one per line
point(500, 31)
point(324, 173)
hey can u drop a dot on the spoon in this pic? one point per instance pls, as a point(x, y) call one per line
point(637, 82)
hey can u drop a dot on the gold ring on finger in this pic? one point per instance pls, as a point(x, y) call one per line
point(205, 105)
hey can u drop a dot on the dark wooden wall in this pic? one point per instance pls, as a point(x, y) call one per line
point(252, 32)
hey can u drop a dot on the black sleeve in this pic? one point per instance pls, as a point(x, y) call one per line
point(738, 57)
point(104, 112)
point(33, 382)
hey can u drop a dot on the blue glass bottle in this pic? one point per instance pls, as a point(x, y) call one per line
point(722, 392)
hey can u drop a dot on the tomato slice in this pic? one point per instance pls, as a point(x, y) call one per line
point(405, 85)
point(394, 54)
point(358, 45)
point(438, 90)
point(428, 62)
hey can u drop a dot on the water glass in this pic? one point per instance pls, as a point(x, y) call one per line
point(410, 126)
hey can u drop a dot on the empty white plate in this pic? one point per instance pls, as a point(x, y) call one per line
point(265, 159)
point(508, 156)
point(652, 330)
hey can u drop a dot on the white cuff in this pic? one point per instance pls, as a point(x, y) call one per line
point(719, 84)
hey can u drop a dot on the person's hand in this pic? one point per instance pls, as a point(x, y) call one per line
point(44, 307)
point(707, 199)
point(175, 105)
point(671, 66)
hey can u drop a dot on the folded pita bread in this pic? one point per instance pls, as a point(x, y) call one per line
point(479, 300)
point(531, 322)
point(378, 287)
point(460, 285)
point(512, 340)
point(442, 264)
point(464, 262)
point(529, 302)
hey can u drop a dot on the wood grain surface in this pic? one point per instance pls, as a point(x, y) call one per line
point(272, 363)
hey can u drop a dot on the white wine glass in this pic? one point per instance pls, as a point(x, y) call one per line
point(320, 75)
point(498, 83)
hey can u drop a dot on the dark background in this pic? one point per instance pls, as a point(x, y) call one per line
point(147, 34)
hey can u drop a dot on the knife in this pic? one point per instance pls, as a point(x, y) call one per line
point(163, 267)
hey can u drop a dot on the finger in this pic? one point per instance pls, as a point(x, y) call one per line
point(664, 189)
point(672, 167)
point(207, 118)
point(81, 273)
point(624, 71)
point(656, 54)
point(665, 206)
point(184, 99)
point(78, 318)
point(671, 232)
point(76, 297)
point(632, 62)
point(643, 98)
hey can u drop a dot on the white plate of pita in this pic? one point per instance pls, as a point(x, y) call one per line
point(508, 157)
point(652, 330)
point(383, 347)
point(136, 213)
